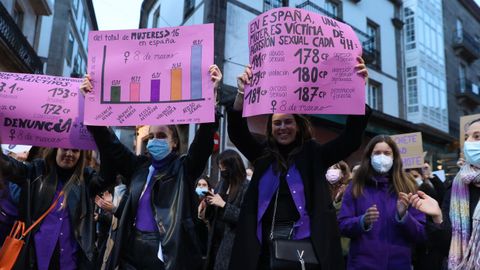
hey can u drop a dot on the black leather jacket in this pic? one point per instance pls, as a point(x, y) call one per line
point(172, 195)
point(36, 197)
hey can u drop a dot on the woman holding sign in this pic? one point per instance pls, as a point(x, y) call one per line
point(375, 212)
point(65, 238)
point(455, 228)
point(288, 197)
point(156, 228)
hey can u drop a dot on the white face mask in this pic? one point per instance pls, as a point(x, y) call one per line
point(471, 151)
point(333, 175)
point(419, 181)
point(381, 163)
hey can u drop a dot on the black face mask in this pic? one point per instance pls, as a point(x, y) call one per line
point(225, 174)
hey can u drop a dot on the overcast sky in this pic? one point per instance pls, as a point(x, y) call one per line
point(123, 14)
point(117, 14)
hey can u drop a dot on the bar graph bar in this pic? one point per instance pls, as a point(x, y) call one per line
point(176, 84)
point(196, 72)
point(115, 91)
point(155, 91)
point(135, 91)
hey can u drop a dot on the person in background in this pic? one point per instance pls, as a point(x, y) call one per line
point(224, 208)
point(111, 204)
point(433, 181)
point(454, 228)
point(375, 212)
point(203, 187)
point(289, 176)
point(425, 256)
point(339, 176)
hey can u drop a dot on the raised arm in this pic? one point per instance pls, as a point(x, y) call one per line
point(238, 131)
point(114, 156)
point(13, 170)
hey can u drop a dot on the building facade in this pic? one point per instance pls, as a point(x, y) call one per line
point(380, 26)
point(426, 88)
point(65, 49)
point(45, 36)
point(20, 30)
point(461, 23)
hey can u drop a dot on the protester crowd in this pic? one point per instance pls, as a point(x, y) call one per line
point(302, 208)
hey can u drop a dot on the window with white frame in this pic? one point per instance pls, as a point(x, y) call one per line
point(462, 81)
point(70, 44)
point(333, 8)
point(412, 90)
point(270, 4)
point(459, 29)
point(83, 25)
point(75, 4)
point(374, 95)
point(409, 29)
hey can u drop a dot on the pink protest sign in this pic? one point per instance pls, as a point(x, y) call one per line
point(43, 111)
point(150, 76)
point(303, 62)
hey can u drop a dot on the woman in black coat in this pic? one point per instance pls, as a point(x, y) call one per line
point(156, 229)
point(65, 239)
point(224, 208)
point(290, 166)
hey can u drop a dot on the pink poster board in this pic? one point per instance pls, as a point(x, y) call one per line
point(150, 76)
point(43, 111)
point(303, 63)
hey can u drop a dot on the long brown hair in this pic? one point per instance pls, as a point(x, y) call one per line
point(402, 182)
point(51, 171)
point(303, 135)
point(232, 162)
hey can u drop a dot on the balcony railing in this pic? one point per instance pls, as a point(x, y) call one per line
point(14, 39)
point(370, 54)
point(466, 46)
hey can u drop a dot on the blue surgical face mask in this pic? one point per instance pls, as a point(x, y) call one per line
point(158, 148)
point(471, 151)
point(201, 191)
point(381, 163)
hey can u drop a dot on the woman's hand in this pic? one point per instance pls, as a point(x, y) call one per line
point(362, 69)
point(402, 204)
point(86, 86)
point(215, 75)
point(215, 199)
point(104, 204)
point(242, 80)
point(371, 216)
point(427, 205)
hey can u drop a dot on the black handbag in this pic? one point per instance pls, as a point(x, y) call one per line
point(286, 253)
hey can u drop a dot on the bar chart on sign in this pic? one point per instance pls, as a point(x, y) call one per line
point(178, 84)
point(150, 76)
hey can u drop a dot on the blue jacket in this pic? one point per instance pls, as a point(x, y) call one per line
point(388, 243)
